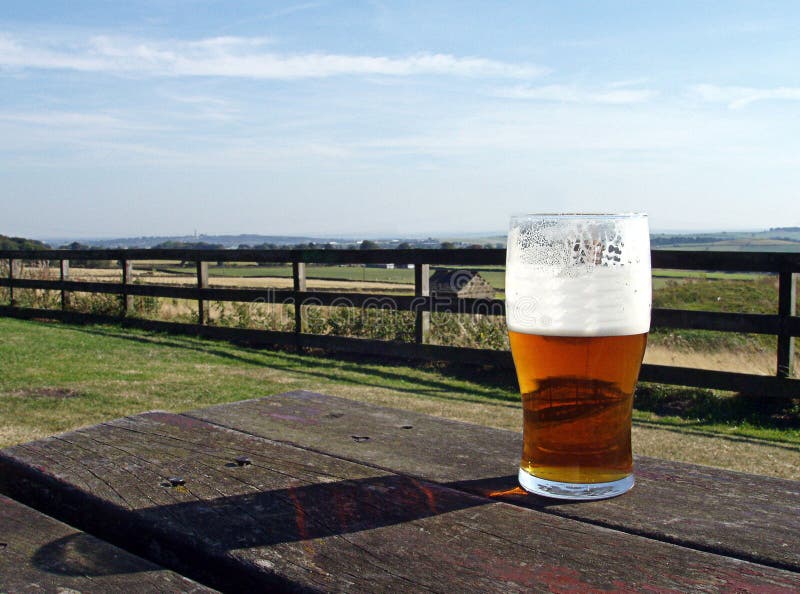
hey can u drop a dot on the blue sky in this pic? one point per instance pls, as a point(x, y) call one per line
point(394, 118)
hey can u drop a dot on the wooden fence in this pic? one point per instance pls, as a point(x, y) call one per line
point(785, 324)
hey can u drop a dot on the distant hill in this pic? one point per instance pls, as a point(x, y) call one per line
point(786, 239)
point(227, 241)
point(21, 243)
point(188, 245)
point(244, 241)
point(779, 239)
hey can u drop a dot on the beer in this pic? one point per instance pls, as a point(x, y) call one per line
point(577, 395)
point(578, 312)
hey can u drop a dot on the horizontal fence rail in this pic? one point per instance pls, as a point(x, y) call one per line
point(785, 325)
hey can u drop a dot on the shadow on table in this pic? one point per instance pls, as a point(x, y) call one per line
point(81, 554)
point(507, 489)
point(203, 533)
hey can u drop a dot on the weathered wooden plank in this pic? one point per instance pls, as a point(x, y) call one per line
point(422, 288)
point(376, 256)
point(760, 386)
point(744, 516)
point(717, 320)
point(64, 276)
point(787, 309)
point(202, 283)
point(127, 278)
point(725, 261)
point(41, 554)
point(298, 285)
point(295, 519)
point(671, 259)
point(9, 282)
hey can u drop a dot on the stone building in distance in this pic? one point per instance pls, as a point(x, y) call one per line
point(464, 284)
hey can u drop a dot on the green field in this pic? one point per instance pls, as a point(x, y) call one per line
point(58, 377)
point(345, 273)
point(494, 275)
point(401, 276)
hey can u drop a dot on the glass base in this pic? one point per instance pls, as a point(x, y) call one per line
point(574, 491)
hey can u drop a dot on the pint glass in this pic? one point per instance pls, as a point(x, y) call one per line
point(578, 294)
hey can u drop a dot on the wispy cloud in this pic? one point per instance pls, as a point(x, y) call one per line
point(60, 119)
point(613, 94)
point(202, 107)
point(242, 57)
point(740, 97)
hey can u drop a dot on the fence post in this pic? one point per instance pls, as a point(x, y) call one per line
point(202, 283)
point(787, 300)
point(11, 282)
point(127, 275)
point(299, 279)
point(422, 274)
point(64, 270)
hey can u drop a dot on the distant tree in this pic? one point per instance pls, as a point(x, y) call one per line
point(188, 245)
point(447, 245)
point(78, 263)
point(75, 245)
point(405, 245)
point(475, 246)
point(21, 243)
point(368, 244)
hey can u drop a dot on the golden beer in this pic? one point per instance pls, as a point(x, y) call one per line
point(577, 396)
point(578, 312)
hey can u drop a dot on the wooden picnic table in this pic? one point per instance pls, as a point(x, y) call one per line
point(307, 492)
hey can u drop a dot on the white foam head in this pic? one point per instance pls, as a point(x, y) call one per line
point(578, 275)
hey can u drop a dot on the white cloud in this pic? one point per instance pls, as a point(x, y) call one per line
point(61, 119)
point(573, 94)
point(740, 97)
point(242, 57)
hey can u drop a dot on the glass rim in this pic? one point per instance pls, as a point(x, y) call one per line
point(580, 215)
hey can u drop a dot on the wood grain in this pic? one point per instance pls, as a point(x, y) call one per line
point(745, 516)
point(294, 519)
point(41, 554)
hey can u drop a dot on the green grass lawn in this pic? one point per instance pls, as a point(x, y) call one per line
point(56, 377)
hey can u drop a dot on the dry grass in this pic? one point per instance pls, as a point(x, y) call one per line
point(762, 363)
point(259, 282)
